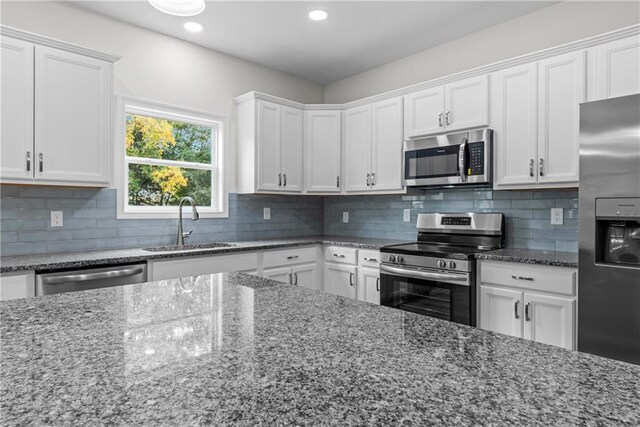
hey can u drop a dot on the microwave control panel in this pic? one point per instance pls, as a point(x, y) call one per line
point(476, 159)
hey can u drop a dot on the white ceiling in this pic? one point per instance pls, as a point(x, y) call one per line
point(357, 36)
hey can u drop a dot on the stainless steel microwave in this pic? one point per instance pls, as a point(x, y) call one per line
point(463, 158)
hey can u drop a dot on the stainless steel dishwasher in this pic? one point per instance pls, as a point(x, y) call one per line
point(94, 278)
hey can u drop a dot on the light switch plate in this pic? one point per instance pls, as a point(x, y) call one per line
point(267, 213)
point(56, 219)
point(406, 215)
point(345, 217)
point(557, 216)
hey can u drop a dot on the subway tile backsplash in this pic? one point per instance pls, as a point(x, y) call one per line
point(90, 218)
point(527, 214)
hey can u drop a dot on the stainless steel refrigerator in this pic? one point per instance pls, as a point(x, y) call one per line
point(609, 248)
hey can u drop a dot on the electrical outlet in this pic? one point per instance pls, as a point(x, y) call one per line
point(267, 213)
point(56, 219)
point(345, 217)
point(406, 215)
point(557, 216)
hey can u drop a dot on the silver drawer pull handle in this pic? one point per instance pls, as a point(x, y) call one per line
point(531, 163)
point(284, 178)
point(522, 278)
point(515, 309)
point(292, 257)
point(28, 161)
point(41, 162)
point(378, 284)
point(339, 256)
point(526, 312)
point(370, 259)
point(541, 166)
point(350, 279)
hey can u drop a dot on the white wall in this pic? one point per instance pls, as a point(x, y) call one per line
point(159, 67)
point(551, 26)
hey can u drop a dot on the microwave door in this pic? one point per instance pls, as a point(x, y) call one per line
point(432, 166)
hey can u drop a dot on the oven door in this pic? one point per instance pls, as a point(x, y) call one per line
point(434, 293)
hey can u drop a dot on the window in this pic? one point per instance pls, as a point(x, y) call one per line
point(166, 154)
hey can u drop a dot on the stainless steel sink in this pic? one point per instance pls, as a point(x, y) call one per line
point(194, 247)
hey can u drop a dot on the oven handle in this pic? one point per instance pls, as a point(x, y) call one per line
point(458, 279)
point(462, 161)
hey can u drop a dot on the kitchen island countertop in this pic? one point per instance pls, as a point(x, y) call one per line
point(235, 349)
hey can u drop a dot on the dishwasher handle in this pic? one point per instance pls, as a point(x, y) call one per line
point(92, 276)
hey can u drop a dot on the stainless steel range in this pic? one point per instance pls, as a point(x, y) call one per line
point(435, 276)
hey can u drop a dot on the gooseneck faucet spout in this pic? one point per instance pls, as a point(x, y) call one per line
point(195, 216)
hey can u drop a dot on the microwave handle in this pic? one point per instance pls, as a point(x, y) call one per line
point(462, 160)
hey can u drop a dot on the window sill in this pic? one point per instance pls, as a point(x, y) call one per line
point(204, 213)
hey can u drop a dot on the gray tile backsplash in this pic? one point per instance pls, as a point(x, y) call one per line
point(527, 214)
point(90, 218)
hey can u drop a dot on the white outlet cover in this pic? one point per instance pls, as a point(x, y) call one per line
point(56, 219)
point(557, 216)
point(345, 217)
point(267, 213)
point(406, 215)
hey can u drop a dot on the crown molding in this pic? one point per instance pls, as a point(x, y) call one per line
point(58, 44)
point(587, 43)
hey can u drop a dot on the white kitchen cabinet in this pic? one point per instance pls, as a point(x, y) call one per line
point(56, 116)
point(17, 285)
point(279, 274)
point(369, 285)
point(323, 137)
point(305, 275)
point(295, 266)
point(614, 69)
point(373, 147)
point(16, 76)
point(270, 143)
point(197, 265)
point(455, 106)
point(340, 279)
point(501, 310)
point(535, 114)
point(549, 319)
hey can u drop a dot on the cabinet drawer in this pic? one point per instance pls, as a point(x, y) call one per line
point(340, 255)
point(369, 259)
point(559, 280)
point(297, 255)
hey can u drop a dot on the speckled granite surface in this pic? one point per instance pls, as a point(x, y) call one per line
point(234, 349)
point(560, 259)
point(62, 260)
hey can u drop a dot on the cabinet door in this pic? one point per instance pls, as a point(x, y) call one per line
point(305, 275)
point(514, 118)
point(357, 148)
point(280, 274)
point(291, 149)
point(17, 285)
point(16, 76)
point(467, 103)
point(72, 117)
point(617, 69)
point(501, 310)
point(386, 140)
point(269, 133)
point(340, 279)
point(561, 85)
point(369, 285)
point(549, 320)
point(424, 112)
point(323, 136)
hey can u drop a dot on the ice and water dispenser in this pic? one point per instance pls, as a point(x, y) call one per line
point(618, 231)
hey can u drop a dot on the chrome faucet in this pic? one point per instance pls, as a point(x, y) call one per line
point(195, 216)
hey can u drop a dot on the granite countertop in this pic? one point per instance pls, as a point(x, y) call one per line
point(527, 256)
point(44, 262)
point(234, 349)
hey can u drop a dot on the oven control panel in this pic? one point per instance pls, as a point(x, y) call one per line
point(416, 261)
point(455, 220)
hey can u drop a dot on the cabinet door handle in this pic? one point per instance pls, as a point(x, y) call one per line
point(531, 163)
point(378, 284)
point(339, 255)
point(279, 180)
point(350, 279)
point(295, 276)
point(290, 279)
point(41, 159)
point(541, 167)
point(368, 179)
point(338, 181)
point(526, 312)
point(373, 179)
point(440, 119)
point(530, 279)
point(447, 117)
point(292, 257)
point(515, 309)
point(284, 176)
point(28, 161)
point(370, 259)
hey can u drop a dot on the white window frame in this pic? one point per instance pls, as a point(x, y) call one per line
point(220, 196)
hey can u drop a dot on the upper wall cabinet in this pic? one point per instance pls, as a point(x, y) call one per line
point(614, 69)
point(269, 147)
point(373, 147)
point(459, 105)
point(56, 116)
point(323, 136)
point(535, 116)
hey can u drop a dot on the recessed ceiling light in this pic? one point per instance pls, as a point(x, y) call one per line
point(179, 7)
point(318, 15)
point(193, 27)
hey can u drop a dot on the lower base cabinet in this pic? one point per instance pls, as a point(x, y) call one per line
point(369, 285)
point(17, 285)
point(194, 266)
point(305, 275)
point(340, 279)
